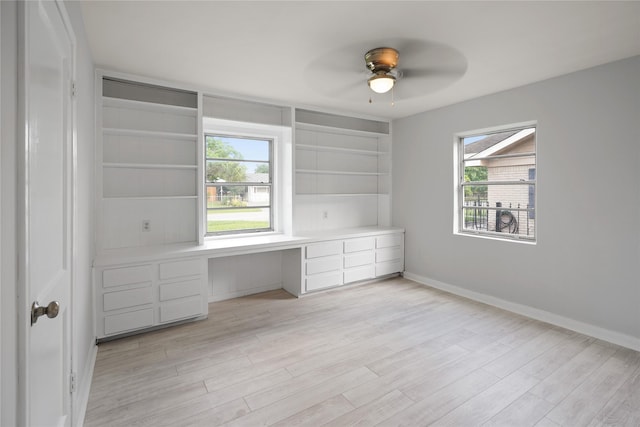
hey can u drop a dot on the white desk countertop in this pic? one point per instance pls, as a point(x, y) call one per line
point(229, 246)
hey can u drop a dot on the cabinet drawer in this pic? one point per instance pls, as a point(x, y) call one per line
point(388, 254)
point(169, 291)
point(129, 298)
point(171, 270)
point(323, 265)
point(126, 276)
point(360, 273)
point(316, 250)
point(356, 245)
point(128, 321)
point(358, 259)
point(322, 281)
point(385, 268)
point(389, 240)
point(181, 309)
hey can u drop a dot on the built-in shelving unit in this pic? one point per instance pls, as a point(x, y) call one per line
point(154, 266)
point(342, 164)
point(338, 161)
point(149, 164)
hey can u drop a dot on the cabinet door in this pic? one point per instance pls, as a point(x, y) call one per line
point(128, 298)
point(126, 275)
point(322, 281)
point(356, 245)
point(182, 268)
point(322, 249)
point(360, 273)
point(323, 265)
point(130, 321)
point(358, 259)
point(180, 309)
point(384, 268)
point(169, 291)
point(388, 254)
point(389, 241)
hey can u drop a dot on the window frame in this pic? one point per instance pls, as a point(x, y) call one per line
point(460, 184)
point(238, 135)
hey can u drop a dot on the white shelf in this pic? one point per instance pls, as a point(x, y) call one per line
point(150, 133)
point(148, 197)
point(338, 149)
point(338, 130)
point(328, 172)
point(148, 106)
point(341, 194)
point(147, 166)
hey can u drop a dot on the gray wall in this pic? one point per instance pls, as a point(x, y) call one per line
point(8, 270)
point(583, 271)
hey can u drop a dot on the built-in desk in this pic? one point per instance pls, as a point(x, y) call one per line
point(140, 288)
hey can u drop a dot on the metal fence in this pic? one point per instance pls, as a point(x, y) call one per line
point(518, 219)
point(476, 214)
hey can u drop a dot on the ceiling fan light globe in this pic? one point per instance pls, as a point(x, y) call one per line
point(381, 83)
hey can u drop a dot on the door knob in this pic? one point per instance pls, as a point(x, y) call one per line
point(51, 310)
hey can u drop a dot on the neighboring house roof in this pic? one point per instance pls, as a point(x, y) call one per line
point(495, 143)
point(488, 141)
point(257, 177)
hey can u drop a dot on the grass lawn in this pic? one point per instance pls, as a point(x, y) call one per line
point(231, 210)
point(217, 226)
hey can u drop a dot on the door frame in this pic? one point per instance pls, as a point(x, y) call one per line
point(23, 302)
point(2, 261)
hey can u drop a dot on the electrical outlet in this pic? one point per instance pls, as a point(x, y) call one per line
point(325, 214)
point(146, 225)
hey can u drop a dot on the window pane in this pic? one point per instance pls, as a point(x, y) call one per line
point(238, 219)
point(237, 171)
point(506, 209)
point(238, 196)
point(222, 147)
point(503, 160)
point(231, 164)
point(475, 193)
point(501, 169)
point(475, 173)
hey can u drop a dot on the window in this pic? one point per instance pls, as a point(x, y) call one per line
point(238, 184)
point(497, 183)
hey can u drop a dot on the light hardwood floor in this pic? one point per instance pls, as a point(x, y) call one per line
point(387, 353)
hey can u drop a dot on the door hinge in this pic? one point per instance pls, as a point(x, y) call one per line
point(72, 382)
point(74, 90)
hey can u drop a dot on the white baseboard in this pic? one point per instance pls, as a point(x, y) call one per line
point(534, 313)
point(84, 388)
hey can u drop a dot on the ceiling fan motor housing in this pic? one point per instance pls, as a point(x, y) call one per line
point(381, 59)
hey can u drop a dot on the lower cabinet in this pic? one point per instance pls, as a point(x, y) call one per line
point(338, 262)
point(389, 254)
point(140, 296)
point(134, 296)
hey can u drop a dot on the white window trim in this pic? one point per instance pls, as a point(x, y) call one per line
point(458, 226)
point(281, 202)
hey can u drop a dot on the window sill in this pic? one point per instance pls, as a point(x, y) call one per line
point(496, 238)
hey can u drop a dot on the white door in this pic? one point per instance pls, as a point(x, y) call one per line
point(45, 244)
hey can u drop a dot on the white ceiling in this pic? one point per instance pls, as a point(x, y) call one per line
point(310, 53)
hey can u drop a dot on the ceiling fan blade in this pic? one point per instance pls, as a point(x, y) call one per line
point(429, 72)
point(424, 67)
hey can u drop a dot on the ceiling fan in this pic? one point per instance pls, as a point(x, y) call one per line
point(412, 67)
point(382, 62)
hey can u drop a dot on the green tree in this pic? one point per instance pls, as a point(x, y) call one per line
point(221, 170)
point(262, 168)
point(473, 174)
